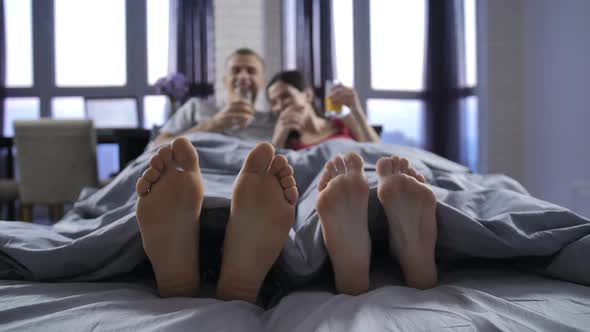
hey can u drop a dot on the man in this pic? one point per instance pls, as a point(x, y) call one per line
point(243, 81)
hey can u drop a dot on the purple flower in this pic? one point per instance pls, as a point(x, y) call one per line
point(173, 85)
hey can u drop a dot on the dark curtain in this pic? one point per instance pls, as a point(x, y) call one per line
point(314, 42)
point(442, 76)
point(192, 26)
point(2, 66)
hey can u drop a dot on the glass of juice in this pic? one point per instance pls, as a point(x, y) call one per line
point(333, 110)
point(245, 95)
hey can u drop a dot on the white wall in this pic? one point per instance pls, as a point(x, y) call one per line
point(557, 101)
point(501, 90)
point(534, 69)
point(246, 23)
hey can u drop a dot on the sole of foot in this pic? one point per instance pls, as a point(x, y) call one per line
point(262, 214)
point(410, 207)
point(342, 207)
point(168, 209)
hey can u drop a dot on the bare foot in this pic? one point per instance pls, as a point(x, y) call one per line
point(262, 214)
point(342, 206)
point(410, 209)
point(168, 213)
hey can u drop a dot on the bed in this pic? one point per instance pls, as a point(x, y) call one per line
point(507, 261)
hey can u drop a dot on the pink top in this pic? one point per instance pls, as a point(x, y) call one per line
point(342, 132)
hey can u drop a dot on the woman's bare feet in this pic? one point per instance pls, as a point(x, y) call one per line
point(410, 208)
point(262, 214)
point(170, 198)
point(342, 206)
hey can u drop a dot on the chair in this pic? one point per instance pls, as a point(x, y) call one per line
point(56, 159)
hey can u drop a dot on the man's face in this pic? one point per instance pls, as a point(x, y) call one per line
point(243, 72)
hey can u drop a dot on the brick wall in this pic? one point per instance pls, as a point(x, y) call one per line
point(246, 23)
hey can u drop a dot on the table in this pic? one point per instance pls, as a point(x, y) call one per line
point(131, 142)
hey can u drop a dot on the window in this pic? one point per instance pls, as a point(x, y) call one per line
point(386, 61)
point(402, 120)
point(89, 52)
point(19, 43)
point(23, 108)
point(92, 57)
point(343, 43)
point(155, 110)
point(397, 34)
point(393, 32)
point(158, 31)
point(67, 108)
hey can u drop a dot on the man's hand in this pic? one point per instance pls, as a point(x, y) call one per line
point(235, 115)
point(291, 119)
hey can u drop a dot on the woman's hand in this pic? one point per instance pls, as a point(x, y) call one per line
point(343, 95)
point(356, 122)
point(290, 119)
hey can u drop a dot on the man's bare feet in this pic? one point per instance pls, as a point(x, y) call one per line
point(262, 214)
point(410, 208)
point(168, 210)
point(342, 206)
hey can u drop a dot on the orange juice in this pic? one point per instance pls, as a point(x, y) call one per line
point(331, 107)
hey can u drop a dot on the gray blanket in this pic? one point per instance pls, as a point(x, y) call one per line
point(465, 300)
point(479, 216)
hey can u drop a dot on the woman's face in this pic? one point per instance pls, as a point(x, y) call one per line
point(281, 96)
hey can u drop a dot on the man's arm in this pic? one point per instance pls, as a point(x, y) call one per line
point(236, 114)
point(166, 137)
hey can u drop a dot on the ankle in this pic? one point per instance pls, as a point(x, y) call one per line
point(421, 275)
point(352, 281)
point(178, 286)
point(233, 287)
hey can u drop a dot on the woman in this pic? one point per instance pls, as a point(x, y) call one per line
point(300, 126)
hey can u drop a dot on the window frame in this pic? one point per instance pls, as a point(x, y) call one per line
point(436, 131)
point(362, 62)
point(44, 85)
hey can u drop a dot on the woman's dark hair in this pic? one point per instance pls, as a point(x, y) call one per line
point(295, 79)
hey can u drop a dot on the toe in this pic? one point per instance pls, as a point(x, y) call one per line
point(278, 164)
point(339, 164)
point(184, 154)
point(328, 174)
point(403, 165)
point(259, 159)
point(395, 167)
point(142, 187)
point(421, 178)
point(324, 180)
point(286, 171)
point(291, 195)
point(165, 154)
point(157, 162)
point(412, 172)
point(330, 169)
point(288, 182)
point(151, 175)
point(384, 166)
point(354, 163)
